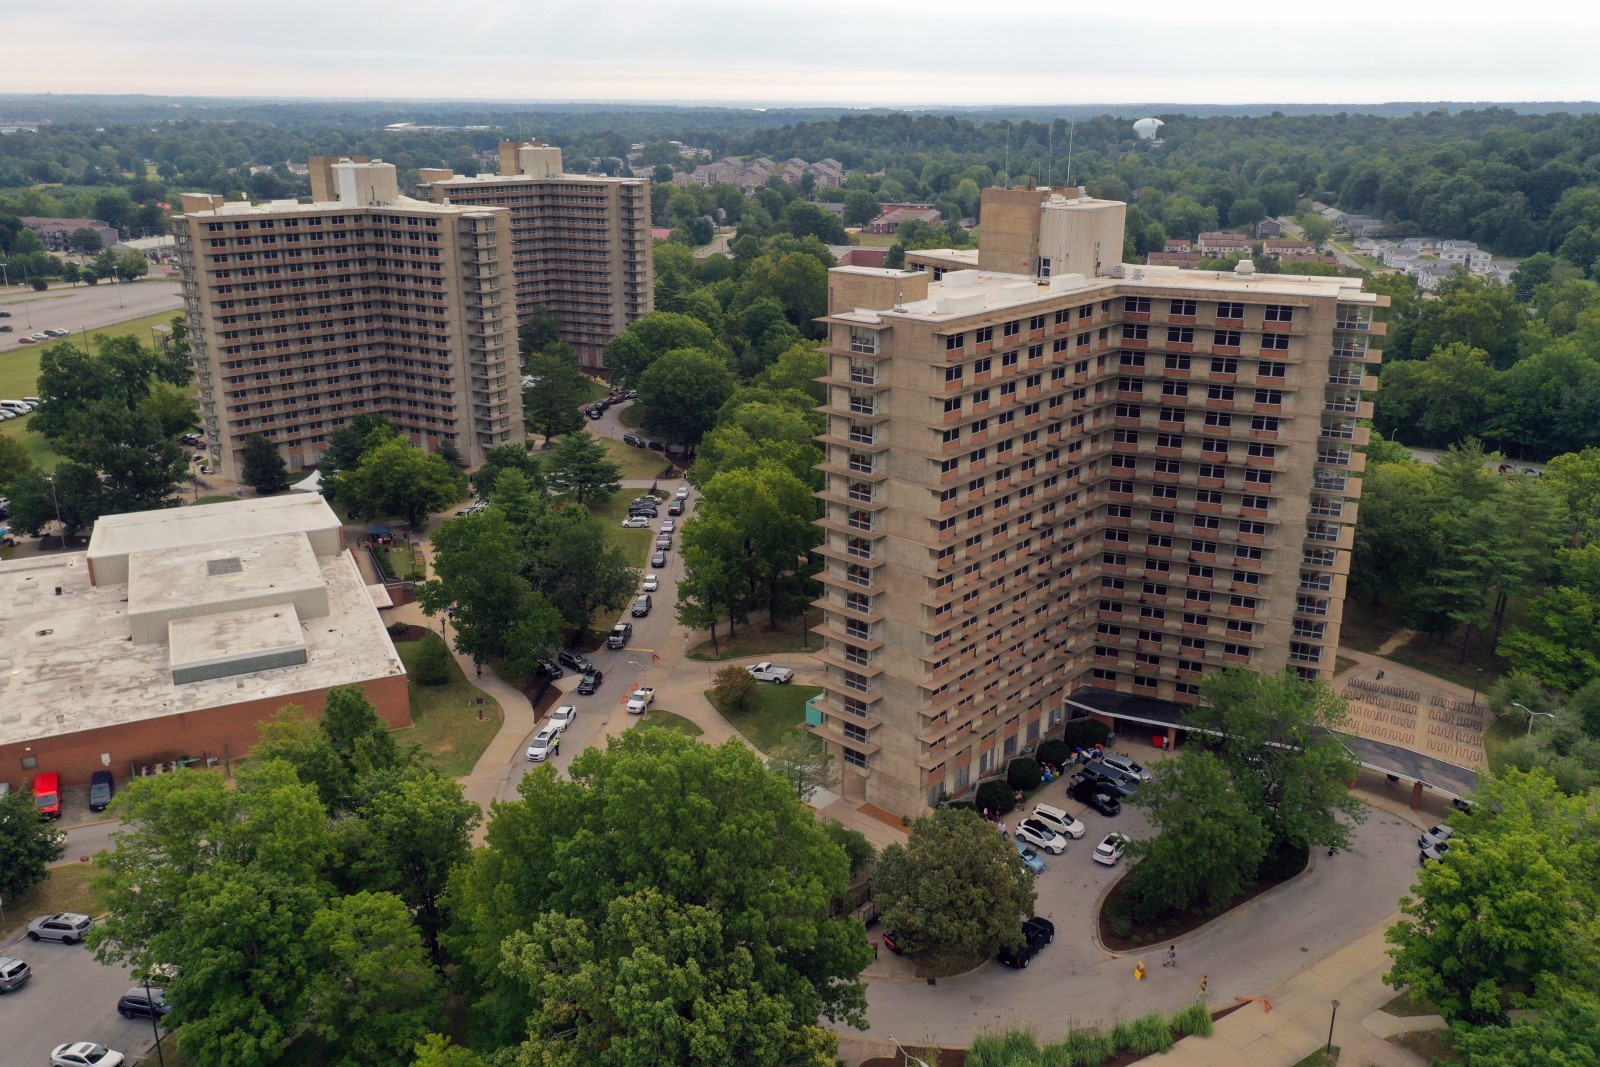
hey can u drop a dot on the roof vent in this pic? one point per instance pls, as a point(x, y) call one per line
point(229, 565)
point(1245, 268)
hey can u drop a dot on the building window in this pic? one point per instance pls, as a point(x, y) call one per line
point(1278, 313)
point(1138, 305)
point(857, 759)
point(1181, 308)
point(1274, 342)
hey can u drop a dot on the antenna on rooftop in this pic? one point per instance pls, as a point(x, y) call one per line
point(1008, 153)
point(1050, 140)
point(1071, 129)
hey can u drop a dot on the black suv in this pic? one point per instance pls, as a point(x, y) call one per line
point(571, 658)
point(1106, 783)
point(1090, 793)
point(591, 682)
point(1036, 934)
point(136, 1003)
point(550, 669)
point(102, 787)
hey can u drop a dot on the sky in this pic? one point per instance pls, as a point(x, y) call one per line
point(844, 52)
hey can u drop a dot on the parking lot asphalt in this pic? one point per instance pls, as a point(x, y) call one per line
point(71, 997)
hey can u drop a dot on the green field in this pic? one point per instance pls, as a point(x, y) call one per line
point(451, 728)
point(775, 713)
point(635, 544)
point(636, 463)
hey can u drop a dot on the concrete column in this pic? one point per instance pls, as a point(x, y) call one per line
point(1416, 796)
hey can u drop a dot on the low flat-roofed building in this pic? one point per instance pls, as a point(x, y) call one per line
point(177, 632)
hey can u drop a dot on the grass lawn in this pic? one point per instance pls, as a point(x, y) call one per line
point(216, 500)
point(404, 564)
point(872, 240)
point(1321, 1058)
point(635, 544)
point(657, 719)
point(1366, 627)
point(775, 712)
point(631, 416)
point(1494, 739)
point(757, 639)
point(1428, 1044)
point(1403, 1006)
point(447, 723)
point(636, 463)
point(65, 888)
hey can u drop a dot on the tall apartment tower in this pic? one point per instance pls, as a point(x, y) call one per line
point(581, 243)
point(1050, 472)
point(302, 316)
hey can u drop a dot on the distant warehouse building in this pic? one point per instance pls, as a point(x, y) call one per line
point(178, 631)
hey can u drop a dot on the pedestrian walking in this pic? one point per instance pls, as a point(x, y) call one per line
point(1172, 956)
point(875, 943)
point(1205, 984)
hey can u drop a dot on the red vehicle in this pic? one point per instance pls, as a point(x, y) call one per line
point(47, 794)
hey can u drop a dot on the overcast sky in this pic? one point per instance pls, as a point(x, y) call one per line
point(931, 52)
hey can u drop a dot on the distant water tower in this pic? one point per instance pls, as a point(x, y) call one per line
point(1147, 129)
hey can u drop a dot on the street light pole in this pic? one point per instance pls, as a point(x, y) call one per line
point(1335, 1015)
point(1476, 679)
point(1531, 713)
point(154, 1029)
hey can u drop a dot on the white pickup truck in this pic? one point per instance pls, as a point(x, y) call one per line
point(771, 672)
point(639, 700)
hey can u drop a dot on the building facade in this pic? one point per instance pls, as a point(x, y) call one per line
point(302, 316)
point(1048, 469)
point(580, 244)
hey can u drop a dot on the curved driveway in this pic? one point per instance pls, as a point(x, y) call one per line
point(1075, 980)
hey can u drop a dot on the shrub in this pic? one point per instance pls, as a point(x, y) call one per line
point(1120, 917)
point(1194, 1021)
point(947, 801)
point(1151, 1034)
point(1283, 861)
point(733, 687)
point(1085, 733)
point(1088, 1047)
point(855, 844)
point(398, 629)
point(433, 663)
point(1054, 752)
point(1025, 774)
point(1123, 1035)
point(995, 795)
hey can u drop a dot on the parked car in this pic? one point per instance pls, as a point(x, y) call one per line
point(85, 1054)
point(633, 439)
point(1037, 833)
point(664, 543)
point(1129, 781)
point(636, 522)
point(595, 413)
point(1110, 849)
point(562, 717)
point(640, 699)
point(1036, 934)
point(641, 606)
point(26, 341)
point(591, 682)
point(658, 559)
point(1106, 783)
point(137, 1004)
point(655, 446)
point(67, 927)
point(102, 787)
point(1058, 820)
point(575, 660)
point(620, 635)
point(1030, 859)
point(57, 332)
point(682, 492)
point(545, 743)
point(1088, 793)
point(651, 583)
point(771, 672)
point(47, 794)
point(669, 527)
point(14, 973)
point(1435, 835)
point(550, 670)
point(675, 508)
point(1434, 850)
point(1126, 765)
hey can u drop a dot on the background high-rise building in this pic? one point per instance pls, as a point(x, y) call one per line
point(303, 316)
point(581, 242)
point(1047, 469)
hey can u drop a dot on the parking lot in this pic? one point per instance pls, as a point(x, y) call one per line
point(71, 997)
point(83, 307)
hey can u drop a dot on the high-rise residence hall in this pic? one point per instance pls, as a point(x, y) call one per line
point(303, 316)
point(1051, 474)
point(581, 243)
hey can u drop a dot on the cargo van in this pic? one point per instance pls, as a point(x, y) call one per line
point(47, 794)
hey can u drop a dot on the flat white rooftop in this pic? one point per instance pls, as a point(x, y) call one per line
point(119, 535)
point(67, 664)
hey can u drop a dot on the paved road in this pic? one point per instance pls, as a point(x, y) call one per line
point(1075, 979)
point(83, 307)
point(71, 997)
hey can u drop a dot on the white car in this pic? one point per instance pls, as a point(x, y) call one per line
point(669, 526)
point(1039, 835)
point(771, 672)
point(1126, 765)
point(1058, 820)
point(1110, 849)
point(682, 493)
point(546, 743)
point(562, 717)
point(1436, 835)
point(651, 583)
point(641, 699)
point(85, 1054)
point(636, 522)
point(57, 333)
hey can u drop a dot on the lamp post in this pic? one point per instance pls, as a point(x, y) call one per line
point(1335, 1015)
point(906, 1058)
point(1531, 713)
point(1476, 679)
point(154, 1029)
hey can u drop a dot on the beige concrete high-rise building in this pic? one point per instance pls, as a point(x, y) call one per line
point(581, 243)
point(1051, 472)
point(302, 316)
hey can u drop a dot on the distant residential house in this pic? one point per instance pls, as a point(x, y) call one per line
point(1222, 245)
point(890, 221)
point(1177, 244)
point(155, 249)
point(854, 256)
point(756, 173)
point(1186, 260)
point(1268, 227)
point(1281, 248)
point(57, 233)
point(661, 233)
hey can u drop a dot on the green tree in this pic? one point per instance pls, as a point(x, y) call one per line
point(798, 367)
point(805, 763)
point(85, 241)
point(132, 265)
point(681, 393)
point(860, 207)
point(397, 478)
point(174, 410)
point(1210, 839)
point(805, 219)
point(539, 331)
point(1509, 914)
point(1395, 543)
point(714, 945)
point(14, 460)
point(955, 888)
point(27, 844)
point(501, 458)
point(855, 844)
point(69, 494)
point(477, 571)
point(648, 338)
point(1316, 228)
point(552, 403)
point(350, 442)
point(1563, 1030)
point(570, 559)
point(733, 686)
point(1282, 750)
point(433, 663)
point(757, 520)
point(579, 467)
point(262, 467)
